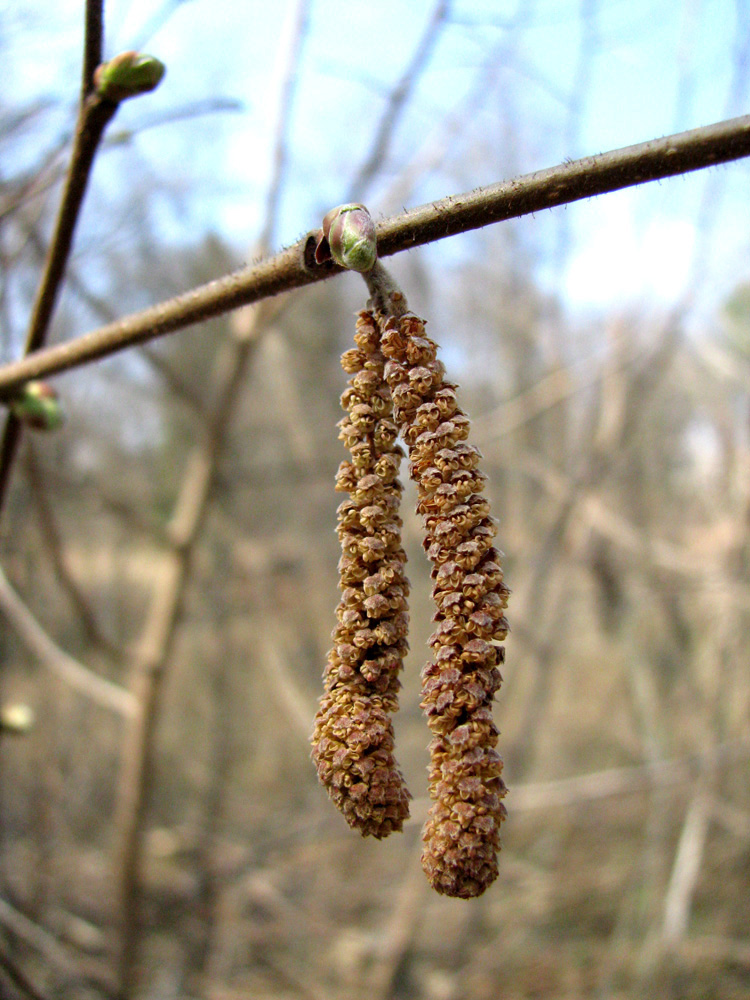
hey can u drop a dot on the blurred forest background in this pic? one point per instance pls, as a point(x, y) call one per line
point(171, 550)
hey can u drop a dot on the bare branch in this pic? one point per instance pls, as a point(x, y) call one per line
point(569, 182)
point(19, 979)
point(396, 104)
point(35, 936)
point(610, 783)
point(157, 639)
point(94, 115)
point(296, 28)
point(78, 677)
point(54, 546)
point(686, 869)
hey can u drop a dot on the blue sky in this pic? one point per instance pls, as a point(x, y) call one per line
point(529, 99)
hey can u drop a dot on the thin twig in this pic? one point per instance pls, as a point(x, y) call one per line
point(35, 936)
point(397, 936)
point(157, 640)
point(54, 546)
point(686, 868)
point(77, 676)
point(173, 380)
point(397, 102)
point(296, 29)
point(611, 783)
point(94, 115)
point(19, 979)
point(561, 185)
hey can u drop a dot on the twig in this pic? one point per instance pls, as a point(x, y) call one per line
point(396, 103)
point(99, 689)
point(291, 699)
point(611, 783)
point(93, 43)
point(561, 185)
point(172, 380)
point(552, 388)
point(152, 657)
point(94, 115)
point(54, 546)
point(19, 979)
point(35, 936)
point(73, 975)
point(686, 868)
point(597, 514)
point(157, 640)
point(401, 929)
point(295, 29)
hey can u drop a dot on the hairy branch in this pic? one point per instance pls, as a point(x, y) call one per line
point(569, 182)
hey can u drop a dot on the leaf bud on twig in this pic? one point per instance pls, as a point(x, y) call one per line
point(38, 407)
point(127, 75)
point(348, 236)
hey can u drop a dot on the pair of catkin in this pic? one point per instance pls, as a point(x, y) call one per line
point(398, 386)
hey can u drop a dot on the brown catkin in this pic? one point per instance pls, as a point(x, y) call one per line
point(353, 735)
point(461, 836)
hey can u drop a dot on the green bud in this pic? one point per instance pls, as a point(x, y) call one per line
point(350, 234)
point(16, 718)
point(37, 406)
point(128, 75)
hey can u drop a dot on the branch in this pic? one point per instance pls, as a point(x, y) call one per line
point(291, 46)
point(93, 43)
point(686, 869)
point(35, 936)
point(93, 118)
point(153, 656)
point(54, 545)
point(564, 793)
point(78, 677)
point(561, 185)
point(94, 114)
point(396, 104)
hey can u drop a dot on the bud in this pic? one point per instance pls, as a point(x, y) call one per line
point(350, 234)
point(16, 718)
point(37, 406)
point(128, 75)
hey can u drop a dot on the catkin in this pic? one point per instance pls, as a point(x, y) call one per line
point(353, 736)
point(461, 836)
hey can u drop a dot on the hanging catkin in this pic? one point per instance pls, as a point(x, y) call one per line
point(461, 835)
point(353, 735)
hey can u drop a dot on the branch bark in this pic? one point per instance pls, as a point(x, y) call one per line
point(561, 185)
